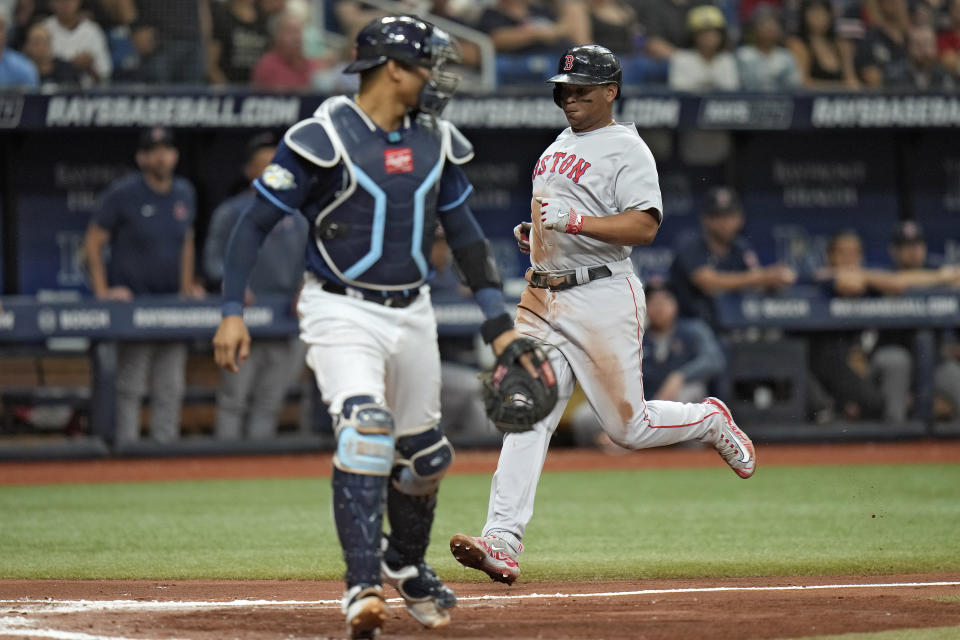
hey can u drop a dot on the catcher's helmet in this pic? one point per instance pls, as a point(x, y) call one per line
point(403, 38)
point(411, 41)
point(587, 64)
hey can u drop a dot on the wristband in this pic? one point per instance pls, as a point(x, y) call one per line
point(493, 327)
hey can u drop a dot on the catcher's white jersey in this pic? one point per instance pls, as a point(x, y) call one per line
point(597, 173)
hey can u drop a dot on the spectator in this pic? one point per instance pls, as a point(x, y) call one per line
point(316, 39)
point(923, 13)
point(271, 8)
point(825, 62)
point(850, 278)
point(112, 13)
point(52, 70)
point(718, 260)
point(614, 25)
point(884, 44)
point(681, 357)
point(116, 18)
point(285, 67)
point(16, 70)
point(527, 36)
point(249, 401)
point(865, 380)
point(765, 65)
point(908, 250)
point(948, 41)
point(171, 38)
point(666, 24)
point(921, 71)
point(352, 15)
point(708, 66)
point(79, 41)
point(147, 221)
point(239, 39)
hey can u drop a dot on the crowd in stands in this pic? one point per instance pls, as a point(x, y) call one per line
point(688, 45)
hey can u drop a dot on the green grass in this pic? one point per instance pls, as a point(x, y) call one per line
point(588, 525)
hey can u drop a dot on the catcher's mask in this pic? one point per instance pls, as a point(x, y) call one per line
point(416, 42)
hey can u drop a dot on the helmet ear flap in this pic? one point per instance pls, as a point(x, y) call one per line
point(556, 94)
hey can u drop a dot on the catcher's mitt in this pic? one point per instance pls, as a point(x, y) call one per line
point(515, 400)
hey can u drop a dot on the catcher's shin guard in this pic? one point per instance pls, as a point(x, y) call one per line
point(360, 476)
point(422, 460)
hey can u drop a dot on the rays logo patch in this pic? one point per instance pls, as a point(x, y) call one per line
point(278, 178)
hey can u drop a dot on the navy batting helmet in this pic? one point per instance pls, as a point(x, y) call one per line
point(587, 64)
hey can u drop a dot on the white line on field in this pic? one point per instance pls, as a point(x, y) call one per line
point(21, 629)
point(74, 606)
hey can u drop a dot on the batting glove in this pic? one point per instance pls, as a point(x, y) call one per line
point(522, 233)
point(557, 216)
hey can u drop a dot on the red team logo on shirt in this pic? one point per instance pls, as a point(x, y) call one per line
point(562, 162)
point(180, 211)
point(398, 160)
point(568, 63)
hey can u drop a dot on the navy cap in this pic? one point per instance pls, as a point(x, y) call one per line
point(265, 140)
point(154, 137)
point(722, 200)
point(907, 231)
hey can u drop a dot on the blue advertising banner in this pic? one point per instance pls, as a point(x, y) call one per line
point(25, 319)
point(651, 109)
point(58, 180)
point(933, 182)
point(798, 190)
point(501, 174)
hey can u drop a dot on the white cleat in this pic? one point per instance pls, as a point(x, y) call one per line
point(733, 445)
point(366, 611)
point(428, 600)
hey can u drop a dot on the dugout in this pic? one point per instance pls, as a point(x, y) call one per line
point(805, 165)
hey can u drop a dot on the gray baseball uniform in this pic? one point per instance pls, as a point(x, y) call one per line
point(595, 328)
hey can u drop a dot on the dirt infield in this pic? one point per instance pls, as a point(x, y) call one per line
point(318, 465)
point(654, 609)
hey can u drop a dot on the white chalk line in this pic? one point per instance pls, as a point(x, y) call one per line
point(23, 629)
point(75, 606)
point(14, 623)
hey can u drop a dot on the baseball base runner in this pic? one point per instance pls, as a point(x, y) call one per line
point(595, 194)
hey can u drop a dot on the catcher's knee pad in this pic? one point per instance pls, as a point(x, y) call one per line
point(364, 437)
point(421, 461)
